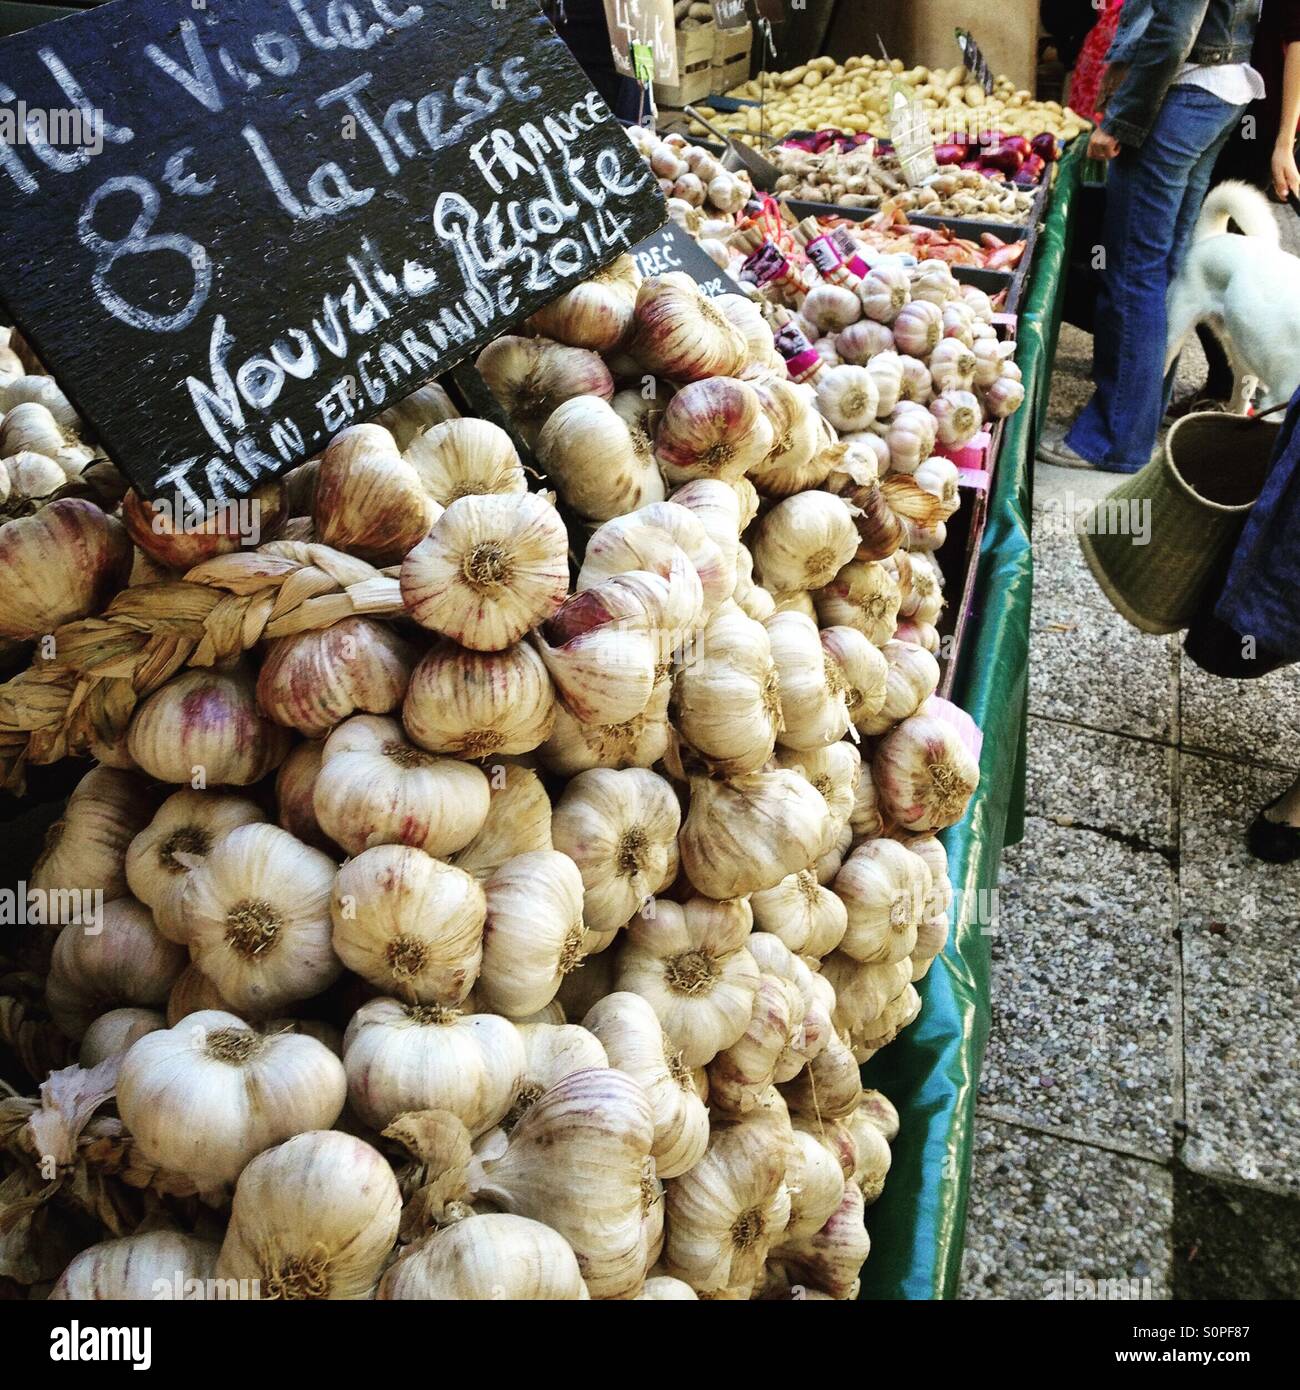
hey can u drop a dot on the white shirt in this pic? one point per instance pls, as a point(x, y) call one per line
point(1236, 83)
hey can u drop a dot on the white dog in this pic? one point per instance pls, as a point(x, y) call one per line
point(1247, 289)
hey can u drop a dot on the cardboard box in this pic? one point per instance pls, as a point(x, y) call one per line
point(695, 49)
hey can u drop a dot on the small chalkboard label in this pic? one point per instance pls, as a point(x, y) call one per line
point(232, 227)
point(976, 62)
point(643, 21)
point(671, 249)
point(729, 14)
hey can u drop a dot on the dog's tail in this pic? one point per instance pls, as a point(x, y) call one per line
point(1237, 202)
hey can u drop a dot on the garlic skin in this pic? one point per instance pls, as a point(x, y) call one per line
point(804, 542)
point(600, 463)
point(912, 677)
point(807, 917)
point(799, 457)
point(176, 545)
point(831, 1258)
point(884, 886)
point(204, 1098)
point(315, 1217)
point(959, 417)
point(86, 848)
point(620, 829)
point(847, 397)
point(925, 774)
point(634, 1040)
point(369, 501)
point(532, 377)
point(553, 1052)
point(409, 924)
point(641, 741)
point(595, 314)
point(126, 961)
point(256, 917)
point(662, 1289)
point(295, 784)
point(518, 821)
point(864, 667)
point(576, 1162)
point(631, 543)
point(112, 1034)
point(726, 694)
point(161, 857)
point(491, 1256)
point(463, 457)
point(533, 934)
point(714, 428)
point(132, 1268)
point(403, 1057)
point(747, 834)
point(676, 331)
point(375, 787)
point(62, 563)
point(312, 680)
point(816, 1185)
point(206, 723)
point(725, 1213)
point(191, 992)
point(479, 704)
point(814, 705)
point(490, 569)
point(690, 962)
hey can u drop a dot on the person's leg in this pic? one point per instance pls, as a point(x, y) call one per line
point(1118, 428)
point(1275, 834)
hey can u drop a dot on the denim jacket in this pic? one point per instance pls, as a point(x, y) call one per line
point(1155, 38)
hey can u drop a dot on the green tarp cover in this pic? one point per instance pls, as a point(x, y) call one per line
point(932, 1071)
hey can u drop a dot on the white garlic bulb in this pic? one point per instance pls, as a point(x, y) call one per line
point(816, 1185)
point(205, 1097)
point(912, 677)
point(465, 457)
point(814, 692)
point(847, 396)
point(154, 1264)
point(804, 542)
point(87, 847)
point(884, 886)
point(601, 464)
point(552, 1052)
point(864, 667)
point(518, 821)
point(807, 917)
point(112, 1033)
point(641, 741)
point(715, 428)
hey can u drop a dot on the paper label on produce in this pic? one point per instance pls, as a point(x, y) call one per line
point(975, 60)
point(649, 22)
point(791, 341)
point(765, 265)
point(913, 140)
point(824, 255)
point(259, 221)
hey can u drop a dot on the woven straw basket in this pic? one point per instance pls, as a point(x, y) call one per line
point(1195, 495)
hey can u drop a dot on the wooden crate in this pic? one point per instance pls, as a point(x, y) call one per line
point(731, 57)
point(695, 48)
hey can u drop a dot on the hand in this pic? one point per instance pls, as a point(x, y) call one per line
point(1101, 145)
point(1286, 177)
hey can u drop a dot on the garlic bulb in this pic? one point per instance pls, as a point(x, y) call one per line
point(634, 1041)
point(690, 963)
point(477, 704)
point(754, 601)
point(315, 1217)
point(204, 1098)
point(874, 1157)
point(884, 886)
point(518, 821)
point(813, 1001)
point(931, 938)
point(490, 569)
point(814, 707)
point(924, 773)
point(847, 396)
point(637, 542)
point(601, 464)
point(552, 1052)
point(427, 406)
point(126, 961)
point(918, 328)
point(833, 771)
point(139, 1267)
point(620, 829)
point(256, 917)
point(408, 923)
point(816, 1185)
point(62, 563)
point(576, 1162)
point(739, 1075)
point(828, 1088)
point(533, 934)
point(831, 307)
point(913, 676)
point(959, 417)
point(179, 543)
point(807, 917)
point(1004, 397)
point(86, 848)
point(727, 696)
point(747, 318)
point(662, 1289)
point(641, 741)
point(161, 857)
point(831, 1258)
point(747, 834)
point(465, 458)
point(799, 457)
point(312, 680)
point(532, 377)
point(884, 291)
point(205, 724)
point(934, 281)
point(724, 1215)
point(295, 784)
point(715, 428)
point(377, 788)
point(403, 1057)
point(917, 384)
point(492, 1256)
point(863, 992)
point(862, 595)
point(369, 500)
point(864, 667)
point(112, 1034)
point(678, 332)
point(861, 341)
point(952, 366)
point(191, 992)
point(940, 478)
point(804, 542)
point(827, 864)
point(881, 1031)
point(596, 313)
point(717, 507)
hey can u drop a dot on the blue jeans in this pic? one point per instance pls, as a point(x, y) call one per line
point(1153, 198)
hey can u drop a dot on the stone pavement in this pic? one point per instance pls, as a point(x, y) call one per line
point(1139, 1110)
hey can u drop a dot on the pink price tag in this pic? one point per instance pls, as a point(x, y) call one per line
point(970, 456)
point(977, 479)
point(823, 254)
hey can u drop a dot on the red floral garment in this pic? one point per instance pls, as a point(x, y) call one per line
point(1090, 70)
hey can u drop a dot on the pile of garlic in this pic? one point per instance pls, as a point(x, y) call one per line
point(485, 933)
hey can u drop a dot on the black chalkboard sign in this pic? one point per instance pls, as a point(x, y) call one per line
point(232, 227)
point(976, 62)
point(729, 14)
point(671, 249)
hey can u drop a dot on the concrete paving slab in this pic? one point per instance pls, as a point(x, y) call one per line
point(1255, 719)
point(1233, 1241)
